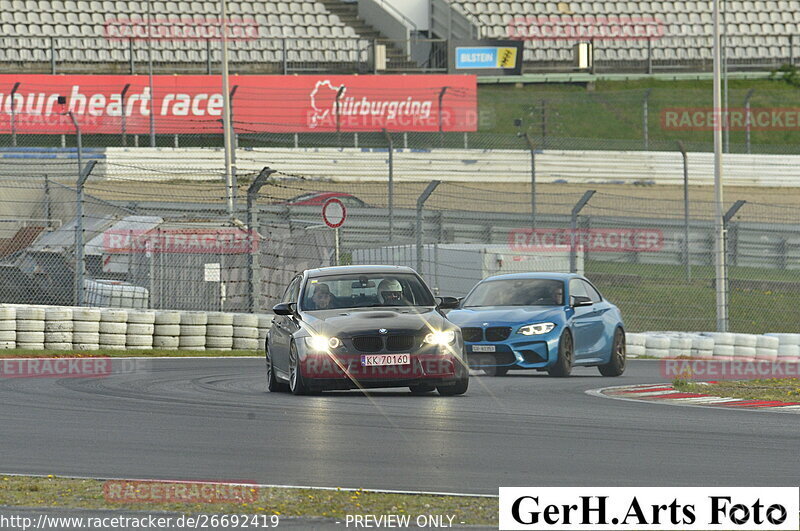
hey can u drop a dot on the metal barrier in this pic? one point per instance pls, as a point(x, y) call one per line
point(174, 241)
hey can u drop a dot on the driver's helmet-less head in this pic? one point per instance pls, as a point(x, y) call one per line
point(390, 291)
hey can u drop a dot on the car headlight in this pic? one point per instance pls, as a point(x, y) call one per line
point(322, 343)
point(536, 329)
point(444, 337)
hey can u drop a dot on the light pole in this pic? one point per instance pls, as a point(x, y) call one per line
point(390, 144)
point(747, 119)
point(227, 137)
point(719, 228)
point(13, 114)
point(532, 150)
point(124, 114)
point(150, 75)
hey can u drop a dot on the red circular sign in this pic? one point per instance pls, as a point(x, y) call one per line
point(334, 213)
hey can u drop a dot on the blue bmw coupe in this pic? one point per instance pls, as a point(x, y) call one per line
point(544, 321)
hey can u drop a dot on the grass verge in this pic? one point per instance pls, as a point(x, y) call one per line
point(23, 353)
point(658, 297)
point(783, 389)
point(90, 494)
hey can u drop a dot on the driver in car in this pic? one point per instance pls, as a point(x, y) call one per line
point(390, 292)
point(322, 297)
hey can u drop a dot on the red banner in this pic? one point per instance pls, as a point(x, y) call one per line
point(261, 104)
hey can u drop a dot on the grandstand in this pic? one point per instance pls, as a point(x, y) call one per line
point(295, 36)
point(304, 33)
point(758, 33)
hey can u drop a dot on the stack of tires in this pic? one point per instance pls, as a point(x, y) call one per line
point(744, 347)
point(702, 347)
point(139, 334)
point(265, 323)
point(724, 345)
point(113, 329)
point(245, 331)
point(193, 331)
point(680, 346)
point(85, 328)
point(657, 346)
point(8, 327)
point(30, 327)
point(635, 344)
point(167, 330)
point(58, 326)
point(767, 348)
point(219, 331)
point(788, 347)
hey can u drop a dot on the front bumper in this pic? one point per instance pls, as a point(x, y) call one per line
point(522, 352)
point(347, 367)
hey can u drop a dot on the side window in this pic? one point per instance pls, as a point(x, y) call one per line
point(577, 289)
point(351, 202)
point(292, 291)
point(593, 293)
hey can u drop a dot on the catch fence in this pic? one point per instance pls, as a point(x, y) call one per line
point(149, 240)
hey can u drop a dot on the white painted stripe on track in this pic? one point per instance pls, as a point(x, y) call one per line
point(709, 399)
point(263, 485)
point(656, 393)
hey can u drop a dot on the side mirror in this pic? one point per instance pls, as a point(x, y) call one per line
point(579, 300)
point(447, 303)
point(284, 308)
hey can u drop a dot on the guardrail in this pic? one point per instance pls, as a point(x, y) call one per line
point(465, 165)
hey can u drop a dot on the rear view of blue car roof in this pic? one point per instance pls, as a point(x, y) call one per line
point(550, 276)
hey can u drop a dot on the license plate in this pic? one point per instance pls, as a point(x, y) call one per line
point(483, 348)
point(380, 360)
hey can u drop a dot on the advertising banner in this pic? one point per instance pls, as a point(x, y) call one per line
point(261, 104)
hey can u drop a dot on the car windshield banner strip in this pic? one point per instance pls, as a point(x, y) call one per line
point(276, 104)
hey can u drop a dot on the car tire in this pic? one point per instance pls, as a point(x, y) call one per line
point(297, 384)
point(461, 385)
point(616, 364)
point(566, 352)
point(421, 389)
point(495, 371)
point(273, 385)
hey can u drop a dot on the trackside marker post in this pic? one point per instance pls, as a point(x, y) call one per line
point(333, 214)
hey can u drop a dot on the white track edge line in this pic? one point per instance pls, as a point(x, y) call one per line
point(262, 485)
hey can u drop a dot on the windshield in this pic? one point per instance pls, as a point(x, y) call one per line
point(517, 292)
point(364, 291)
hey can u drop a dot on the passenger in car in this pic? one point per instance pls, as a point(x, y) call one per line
point(323, 298)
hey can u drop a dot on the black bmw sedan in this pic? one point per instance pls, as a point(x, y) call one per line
point(363, 327)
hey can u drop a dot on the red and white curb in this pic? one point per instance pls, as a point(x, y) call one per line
point(665, 393)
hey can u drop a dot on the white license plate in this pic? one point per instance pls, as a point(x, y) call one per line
point(483, 348)
point(379, 360)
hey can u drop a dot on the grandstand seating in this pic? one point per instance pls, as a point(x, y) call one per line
point(308, 33)
point(81, 29)
point(758, 31)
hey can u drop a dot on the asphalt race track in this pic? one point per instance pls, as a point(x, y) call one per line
point(211, 419)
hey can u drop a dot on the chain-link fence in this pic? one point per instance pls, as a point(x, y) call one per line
point(159, 235)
